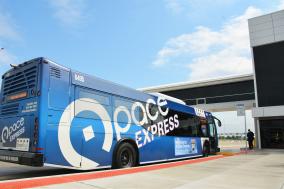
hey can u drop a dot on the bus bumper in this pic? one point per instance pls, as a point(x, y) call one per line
point(23, 158)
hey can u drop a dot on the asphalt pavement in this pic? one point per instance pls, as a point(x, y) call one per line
point(10, 171)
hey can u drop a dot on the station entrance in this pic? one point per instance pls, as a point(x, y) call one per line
point(272, 133)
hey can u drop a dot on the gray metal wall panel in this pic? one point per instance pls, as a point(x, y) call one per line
point(266, 29)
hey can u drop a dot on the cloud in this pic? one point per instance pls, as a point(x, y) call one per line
point(210, 53)
point(70, 13)
point(224, 62)
point(194, 7)
point(192, 43)
point(281, 5)
point(176, 6)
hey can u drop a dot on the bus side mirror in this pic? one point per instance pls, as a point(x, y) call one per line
point(219, 123)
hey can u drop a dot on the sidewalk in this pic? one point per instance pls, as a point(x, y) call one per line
point(261, 169)
point(258, 169)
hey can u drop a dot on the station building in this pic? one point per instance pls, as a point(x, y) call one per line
point(262, 91)
point(267, 44)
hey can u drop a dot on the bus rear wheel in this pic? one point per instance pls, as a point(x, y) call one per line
point(125, 156)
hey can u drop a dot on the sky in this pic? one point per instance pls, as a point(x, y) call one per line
point(136, 43)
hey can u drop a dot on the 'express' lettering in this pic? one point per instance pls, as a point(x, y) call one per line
point(161, 128)
point(147, 114)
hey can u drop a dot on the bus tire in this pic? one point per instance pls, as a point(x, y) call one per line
point(125, 156)
point(206, 149)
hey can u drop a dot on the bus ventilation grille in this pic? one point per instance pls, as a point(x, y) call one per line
point(55, 72)
point(10, 109)
point(20, 81)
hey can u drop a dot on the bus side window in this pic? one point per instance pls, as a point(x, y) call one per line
point(89, 97)
point(123, 108)
point(203, 128)
point(141, 116)
point(188, 126)
point(194, 123)
point(100, 97)
point(153, 110)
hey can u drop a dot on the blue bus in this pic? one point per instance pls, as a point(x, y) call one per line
point(51, 115)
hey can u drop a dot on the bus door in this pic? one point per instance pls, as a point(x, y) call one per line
point(213, 140)
point(92, 120)
point(60, 135)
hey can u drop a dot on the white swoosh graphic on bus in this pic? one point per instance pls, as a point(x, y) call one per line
point(64, 139)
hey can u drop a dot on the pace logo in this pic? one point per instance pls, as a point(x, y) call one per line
point(66, 147)
point(10, 133)
point(147, 115)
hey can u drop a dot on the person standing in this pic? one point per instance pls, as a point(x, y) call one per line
point(250, 138)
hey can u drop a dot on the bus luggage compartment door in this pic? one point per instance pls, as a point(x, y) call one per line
point(16, 133)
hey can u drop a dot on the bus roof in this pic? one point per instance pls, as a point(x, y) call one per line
point(108, 86)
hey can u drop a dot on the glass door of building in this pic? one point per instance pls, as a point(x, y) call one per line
point(272, 133)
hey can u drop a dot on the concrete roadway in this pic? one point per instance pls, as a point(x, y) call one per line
point(257, 170)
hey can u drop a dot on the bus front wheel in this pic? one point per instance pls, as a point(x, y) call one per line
point(126, 156)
